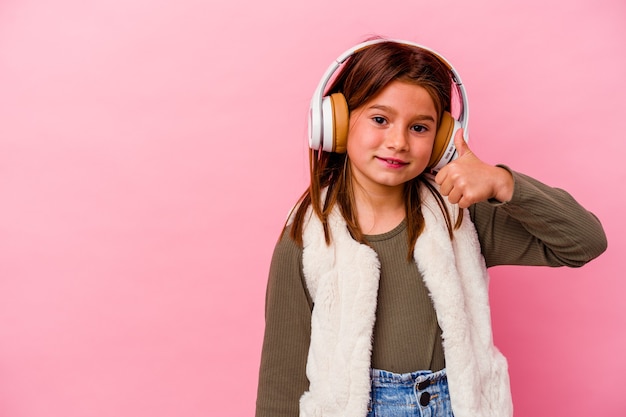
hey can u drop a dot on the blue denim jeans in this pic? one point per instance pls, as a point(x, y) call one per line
point(422, 393)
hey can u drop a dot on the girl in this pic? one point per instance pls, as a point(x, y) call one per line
point(377, 299)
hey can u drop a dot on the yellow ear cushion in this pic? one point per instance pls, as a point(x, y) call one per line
point(341, 118)
point(443, 137)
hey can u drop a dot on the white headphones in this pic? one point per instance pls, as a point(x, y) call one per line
point(329, 115)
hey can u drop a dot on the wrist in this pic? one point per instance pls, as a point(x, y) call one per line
point(504, 184)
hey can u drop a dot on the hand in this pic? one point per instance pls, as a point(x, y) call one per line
point(467, 180)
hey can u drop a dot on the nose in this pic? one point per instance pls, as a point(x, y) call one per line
point(397, 139)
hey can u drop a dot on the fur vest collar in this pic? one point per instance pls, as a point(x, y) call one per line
point(342, 279)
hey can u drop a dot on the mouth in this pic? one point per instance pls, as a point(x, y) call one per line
point(392, 161)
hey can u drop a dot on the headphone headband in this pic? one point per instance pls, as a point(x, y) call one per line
point(317, 138)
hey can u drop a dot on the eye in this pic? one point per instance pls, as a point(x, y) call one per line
point(379, 120)
point(419, 128)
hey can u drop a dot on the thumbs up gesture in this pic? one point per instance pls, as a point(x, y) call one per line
point(468, 180)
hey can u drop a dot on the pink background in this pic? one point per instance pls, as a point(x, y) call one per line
point(150, 150)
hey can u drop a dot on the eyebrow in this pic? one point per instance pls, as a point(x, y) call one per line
point(391, 110)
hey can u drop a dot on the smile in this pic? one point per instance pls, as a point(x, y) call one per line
point(392, 162)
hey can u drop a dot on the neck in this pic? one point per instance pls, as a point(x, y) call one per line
point(379, 210)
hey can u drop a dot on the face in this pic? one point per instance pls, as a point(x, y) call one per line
point(391, 137)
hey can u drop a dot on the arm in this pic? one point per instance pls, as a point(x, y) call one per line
point(282, 377)
point(540, 225)
point(519, 220)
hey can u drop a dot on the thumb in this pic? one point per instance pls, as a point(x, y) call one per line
point(460, 144)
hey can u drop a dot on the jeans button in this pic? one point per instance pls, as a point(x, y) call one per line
point(424, 399)
point(423, 385)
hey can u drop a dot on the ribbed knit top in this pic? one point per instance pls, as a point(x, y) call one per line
point(539, 226)
point(407, 336)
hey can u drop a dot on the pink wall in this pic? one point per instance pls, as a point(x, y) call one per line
point(149, 151)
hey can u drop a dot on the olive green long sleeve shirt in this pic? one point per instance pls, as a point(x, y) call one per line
point(540, 225)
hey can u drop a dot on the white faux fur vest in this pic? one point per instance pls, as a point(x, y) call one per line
point(343, 281)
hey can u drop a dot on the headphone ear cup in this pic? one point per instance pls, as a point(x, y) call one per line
point(335, 116)
point(341, 119)
point(315, 128)
point(443, 148)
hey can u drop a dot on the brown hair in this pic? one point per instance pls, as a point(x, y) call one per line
point(362, 77)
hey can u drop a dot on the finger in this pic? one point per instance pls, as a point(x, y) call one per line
point(441, 176)
point(460, 144)
point(445, 188)
point(464, 203)
point(454, 196)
